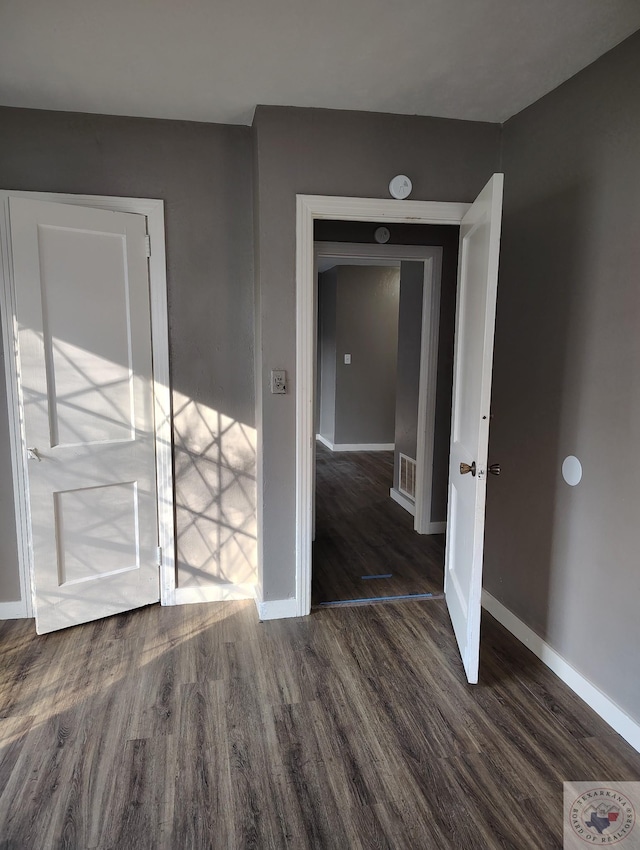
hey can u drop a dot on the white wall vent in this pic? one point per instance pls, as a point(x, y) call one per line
point(407, 482)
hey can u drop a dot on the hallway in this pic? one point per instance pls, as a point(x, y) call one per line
point(361, 532)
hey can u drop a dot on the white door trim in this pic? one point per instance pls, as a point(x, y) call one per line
point(154, 212)
point(310, 208)
point(371, 254)
point(358, 253)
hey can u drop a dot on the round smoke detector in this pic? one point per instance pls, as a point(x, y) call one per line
point(400, 187)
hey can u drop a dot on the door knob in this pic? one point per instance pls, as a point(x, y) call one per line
point(464, 468)
point(495, 469)
point(33, 454)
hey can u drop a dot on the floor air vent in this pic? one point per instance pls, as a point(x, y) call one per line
point(407, 484)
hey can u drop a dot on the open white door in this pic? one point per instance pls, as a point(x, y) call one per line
point(82, 295)
point(473, 360)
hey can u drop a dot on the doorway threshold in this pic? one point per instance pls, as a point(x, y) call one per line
point(377, 600)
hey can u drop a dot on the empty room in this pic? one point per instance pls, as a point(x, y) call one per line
point(188, 197)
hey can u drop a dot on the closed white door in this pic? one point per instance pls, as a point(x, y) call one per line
point(82, 294)
point(473, 360)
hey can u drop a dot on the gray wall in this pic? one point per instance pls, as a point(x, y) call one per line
point(567, 360)
point(408, 378)
point(334, 153)
point(203, 172)
point(358, 315)
point(326, 397)
point(366, 328)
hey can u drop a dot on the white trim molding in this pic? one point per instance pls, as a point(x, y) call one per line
point(13, 610)
point(363, 447)
point(370, 253)
point(355, 447)
point(309, 209)
point(277, 609)
point(153, 210)
point(326, 443)
point(403, 501)
point(611, 713)
point(386, 210)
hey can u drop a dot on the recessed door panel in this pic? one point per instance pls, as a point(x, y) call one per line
point(471, 300)
point(86, 335)
point(96, 532)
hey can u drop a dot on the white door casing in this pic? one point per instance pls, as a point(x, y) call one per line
point(309, 209)
point(83, 323)
point(431, 257)
point(473, 361)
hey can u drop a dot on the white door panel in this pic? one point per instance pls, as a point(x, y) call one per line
point(473, 360)
point(86, 380)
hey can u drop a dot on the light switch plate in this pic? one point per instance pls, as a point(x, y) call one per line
point(347, 360)
point(278, 381)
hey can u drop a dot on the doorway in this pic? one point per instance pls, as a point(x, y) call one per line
point(479, 249)
point(378, 350)
point(311, 209)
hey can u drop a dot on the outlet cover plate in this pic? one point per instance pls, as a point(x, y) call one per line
point(278, 381)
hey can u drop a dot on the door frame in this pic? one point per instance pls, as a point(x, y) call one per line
point(153, 210)
point(431, 258)
point(310, 208)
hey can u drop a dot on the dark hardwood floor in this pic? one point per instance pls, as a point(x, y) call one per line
point(361, 531)
point(198, 727)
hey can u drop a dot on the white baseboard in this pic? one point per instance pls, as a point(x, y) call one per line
point(13, 610)
point(612, 714)
point(277, 609)
point(363, 447)
point(355, 447)
point(403, 501)
point(436, 528)
point(213, 593)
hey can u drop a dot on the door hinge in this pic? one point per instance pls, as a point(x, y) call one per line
point(159, 551)
point(147, 244)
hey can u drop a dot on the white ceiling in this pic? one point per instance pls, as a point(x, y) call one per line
point(214, 60)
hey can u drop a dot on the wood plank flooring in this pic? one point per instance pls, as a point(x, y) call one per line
point(198, 727)
point(361, 531)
